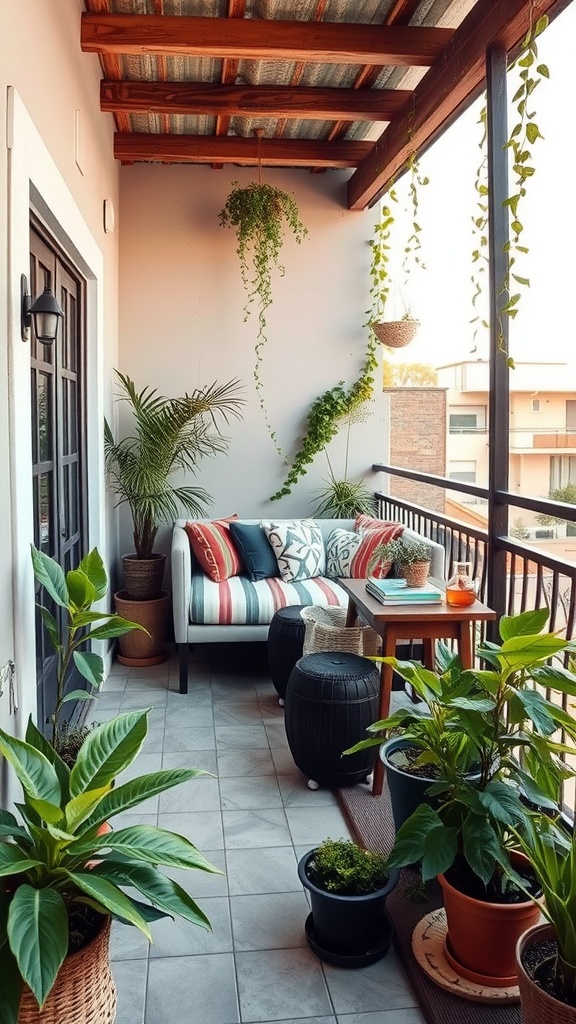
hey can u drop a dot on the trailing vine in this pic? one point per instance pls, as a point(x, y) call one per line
point(413, 247)
point(521, 140)
point(379, 266)
point(260, 213)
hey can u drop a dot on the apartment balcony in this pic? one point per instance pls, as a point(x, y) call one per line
point(547, 441)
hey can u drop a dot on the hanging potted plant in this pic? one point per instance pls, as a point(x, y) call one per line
point(260, 214)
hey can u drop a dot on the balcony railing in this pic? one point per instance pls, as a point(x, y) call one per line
point(526, 576)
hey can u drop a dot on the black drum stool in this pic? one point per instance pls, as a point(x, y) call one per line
point(285, 640)
point(330, 700)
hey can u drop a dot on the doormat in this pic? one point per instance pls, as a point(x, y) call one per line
point(370, 821)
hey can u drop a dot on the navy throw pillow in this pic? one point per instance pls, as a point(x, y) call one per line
point(255, 551)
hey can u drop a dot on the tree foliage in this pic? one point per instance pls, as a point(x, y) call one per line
point(416, 375)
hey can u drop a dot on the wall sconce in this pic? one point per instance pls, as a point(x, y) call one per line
point(44, 312)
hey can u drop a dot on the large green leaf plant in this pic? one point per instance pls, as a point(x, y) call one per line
point(54, 863)
point(76, 592)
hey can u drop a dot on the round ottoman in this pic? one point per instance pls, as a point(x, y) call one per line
point(330, 700)
point(285, 640)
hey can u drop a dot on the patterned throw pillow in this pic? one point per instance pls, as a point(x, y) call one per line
point(371, 537)
point(341, 547)
point(213, 548)
point(299, 548)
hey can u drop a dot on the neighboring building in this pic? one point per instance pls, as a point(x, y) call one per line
point(542, 428)
point(418, 441)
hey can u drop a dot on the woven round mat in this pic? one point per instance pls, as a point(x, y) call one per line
point(428, 940)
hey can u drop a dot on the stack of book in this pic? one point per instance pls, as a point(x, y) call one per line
point(392, 591)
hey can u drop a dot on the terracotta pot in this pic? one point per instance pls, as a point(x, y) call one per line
point(538, 1007)
point(137, 648)
point(482, 937)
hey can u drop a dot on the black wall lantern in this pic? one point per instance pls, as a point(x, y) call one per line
point(44, 312)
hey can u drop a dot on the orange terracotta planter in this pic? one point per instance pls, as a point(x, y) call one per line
point(482, 937)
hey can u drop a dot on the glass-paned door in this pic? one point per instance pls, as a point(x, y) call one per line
point(58, 435)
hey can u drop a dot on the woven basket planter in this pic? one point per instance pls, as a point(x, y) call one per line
point(538, 1007)
point(143, 576)
point(416, 575)
point(137, 648)
point(84, 991)
point(396, 333)
point(326, 630)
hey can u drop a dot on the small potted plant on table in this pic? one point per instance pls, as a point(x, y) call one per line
point(348, 886)
point(411, 558)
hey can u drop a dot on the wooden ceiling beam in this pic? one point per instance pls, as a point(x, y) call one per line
point(210, 149)
point(444, 89)
point(251, 100)
point(260, 39)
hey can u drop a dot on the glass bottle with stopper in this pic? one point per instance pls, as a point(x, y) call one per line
point(460, 589)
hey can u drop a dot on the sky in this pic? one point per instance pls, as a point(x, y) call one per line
point(441, 295)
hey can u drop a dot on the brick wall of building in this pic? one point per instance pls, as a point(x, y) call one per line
point(418, 441)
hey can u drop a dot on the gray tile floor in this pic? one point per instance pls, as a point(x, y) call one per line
point(253, 820)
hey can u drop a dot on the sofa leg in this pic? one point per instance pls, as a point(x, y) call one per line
point(183, 655)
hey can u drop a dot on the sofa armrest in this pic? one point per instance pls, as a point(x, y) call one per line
point(181, 563)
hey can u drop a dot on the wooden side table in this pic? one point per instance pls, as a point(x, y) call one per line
point(426, 622)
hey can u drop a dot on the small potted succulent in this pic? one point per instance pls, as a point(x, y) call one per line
point(348, 886)
point(411, 558)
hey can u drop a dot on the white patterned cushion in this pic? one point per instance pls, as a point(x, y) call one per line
point(341, 547)
point(299, 548)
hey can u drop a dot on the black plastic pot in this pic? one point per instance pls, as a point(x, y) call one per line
point(407, 791)
point(348, 926)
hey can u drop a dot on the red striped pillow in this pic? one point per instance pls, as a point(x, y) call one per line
point(213, 548)
point(371, 538)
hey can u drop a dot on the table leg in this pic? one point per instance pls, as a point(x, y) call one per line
point(386, 673)
point(351, 613)
point(465, 644)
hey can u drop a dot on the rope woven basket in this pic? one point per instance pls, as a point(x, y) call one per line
point(396, 333)
point(416, 575)
point(84, 991)
point(537, 1004)
point(326, 630)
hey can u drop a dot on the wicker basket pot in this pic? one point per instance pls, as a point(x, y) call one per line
point(326, 630)
point(143, 576)
point(84, 991)
point(416, 575)
point(137, 648)
point(396, 333)
point(538, 1007)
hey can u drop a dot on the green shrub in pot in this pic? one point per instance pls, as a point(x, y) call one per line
point(58, 875)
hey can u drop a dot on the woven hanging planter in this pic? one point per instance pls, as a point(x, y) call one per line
point(396, 333)
point(84, 991)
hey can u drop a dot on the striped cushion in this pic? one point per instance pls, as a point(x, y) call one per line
point(213, 548)
point(371, 538)
point(239, 601)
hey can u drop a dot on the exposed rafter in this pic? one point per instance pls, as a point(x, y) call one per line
point(209, 149)
point(259, 39)
point(253, 100)
point(445, 88)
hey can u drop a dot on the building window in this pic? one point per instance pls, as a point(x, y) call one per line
point(467, 419)
point(464, 472)
point(562, 471)
point(535, 404)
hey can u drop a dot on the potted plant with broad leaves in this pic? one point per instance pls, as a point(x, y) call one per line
point(546, 953)
point(348, 886)
point(468, 841)
point(71, 630)
point(425, 739)
point(169, 435)
point(62, 883)
point(410, 557)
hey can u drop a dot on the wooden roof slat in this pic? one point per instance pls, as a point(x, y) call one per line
point(259, 39)
point(110, 63)
point(251, 101)
point(444, 89)
point(209, 149)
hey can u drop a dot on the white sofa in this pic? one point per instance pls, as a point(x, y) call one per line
point(190, 612)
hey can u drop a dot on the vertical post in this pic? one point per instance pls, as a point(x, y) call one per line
point(499, 415)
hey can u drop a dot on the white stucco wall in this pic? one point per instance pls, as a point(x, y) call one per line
point(44, 81)
point(181, 322)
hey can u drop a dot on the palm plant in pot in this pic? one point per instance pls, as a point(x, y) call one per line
point(61, 883)
point(348, 886)
point(468, 840)
point(170, 435)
